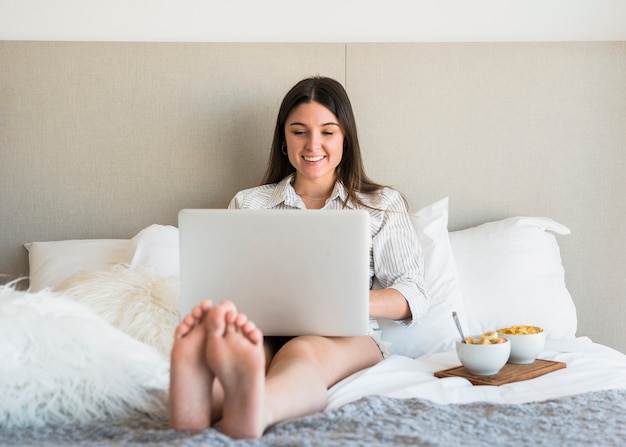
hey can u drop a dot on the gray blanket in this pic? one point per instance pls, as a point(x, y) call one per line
point(592, 419)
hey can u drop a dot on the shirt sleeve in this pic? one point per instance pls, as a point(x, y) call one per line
point(236, 202)
point(398, 259)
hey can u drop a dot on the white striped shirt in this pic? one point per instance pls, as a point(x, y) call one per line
point(395, 254)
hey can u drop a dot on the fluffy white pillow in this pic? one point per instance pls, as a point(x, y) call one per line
point(436, 330)
point(136, 301)
point(61, 363)
point(510, 273)
point(156, 248)
point(52, 262)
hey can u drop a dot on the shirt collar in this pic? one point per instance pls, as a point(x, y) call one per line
point(285, 193)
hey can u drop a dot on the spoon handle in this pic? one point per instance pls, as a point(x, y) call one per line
point(458, 326)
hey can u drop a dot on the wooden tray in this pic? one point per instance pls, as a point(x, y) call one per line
point(508, 374)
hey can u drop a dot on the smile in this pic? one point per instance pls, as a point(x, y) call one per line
point(313, 159)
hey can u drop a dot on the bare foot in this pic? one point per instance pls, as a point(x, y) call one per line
point(235, 354)
point(193, 319)
point(191, 380)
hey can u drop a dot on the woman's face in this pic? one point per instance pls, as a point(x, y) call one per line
point(314, 142)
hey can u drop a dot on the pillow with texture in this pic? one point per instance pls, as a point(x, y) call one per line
point(510, 273)
point(134, 300)
point(435, 331)
point(63, 364)
point(52, 262)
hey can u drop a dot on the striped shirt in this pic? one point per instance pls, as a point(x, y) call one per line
point(395, 254)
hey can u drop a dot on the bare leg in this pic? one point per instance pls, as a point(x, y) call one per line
point(302, 371)
point(236, 355)
point(297, 379)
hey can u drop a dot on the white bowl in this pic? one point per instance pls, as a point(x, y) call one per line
point(483, 360)
point(525, 347)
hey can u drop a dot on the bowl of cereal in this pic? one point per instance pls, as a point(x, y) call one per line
point(485, 354)
point(526, 343)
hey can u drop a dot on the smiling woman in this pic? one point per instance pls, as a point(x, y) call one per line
point(316, 121)
point(314, 144)
point(219, 357)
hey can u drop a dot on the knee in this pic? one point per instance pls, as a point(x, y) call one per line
point(306, 347)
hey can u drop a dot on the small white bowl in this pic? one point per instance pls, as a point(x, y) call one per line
point(525, 347)
point(483, 360)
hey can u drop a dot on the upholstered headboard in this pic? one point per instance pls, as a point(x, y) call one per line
point(99, 140)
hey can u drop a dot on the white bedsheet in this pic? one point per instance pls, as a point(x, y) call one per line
point(590, 367)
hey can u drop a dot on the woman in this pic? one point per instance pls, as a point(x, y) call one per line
point(222, 368)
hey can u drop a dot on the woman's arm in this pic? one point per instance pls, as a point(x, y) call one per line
point(398, 265)
point(389, 303)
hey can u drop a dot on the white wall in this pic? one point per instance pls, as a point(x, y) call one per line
point(313, 21)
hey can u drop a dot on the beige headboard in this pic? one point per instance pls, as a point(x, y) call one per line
point(100, 140)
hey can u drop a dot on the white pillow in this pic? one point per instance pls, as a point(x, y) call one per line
point(510, 273)
point(156, 248)
point(435, 331)
point(51, 263)
point(61, 364)
point(136, 301)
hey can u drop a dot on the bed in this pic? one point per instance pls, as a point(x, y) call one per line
point(88, 359)
point(94, 171)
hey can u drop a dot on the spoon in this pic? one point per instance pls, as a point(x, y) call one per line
point(458, 326)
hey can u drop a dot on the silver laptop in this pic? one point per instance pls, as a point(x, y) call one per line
point(292, 272)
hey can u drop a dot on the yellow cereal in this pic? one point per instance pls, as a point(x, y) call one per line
point(520, 330)
point(488, 338)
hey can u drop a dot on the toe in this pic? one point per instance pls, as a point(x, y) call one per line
point(215, 321)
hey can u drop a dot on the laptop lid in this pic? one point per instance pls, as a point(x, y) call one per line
point(292, 272)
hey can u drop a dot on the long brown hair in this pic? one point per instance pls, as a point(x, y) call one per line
point(331, 94)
